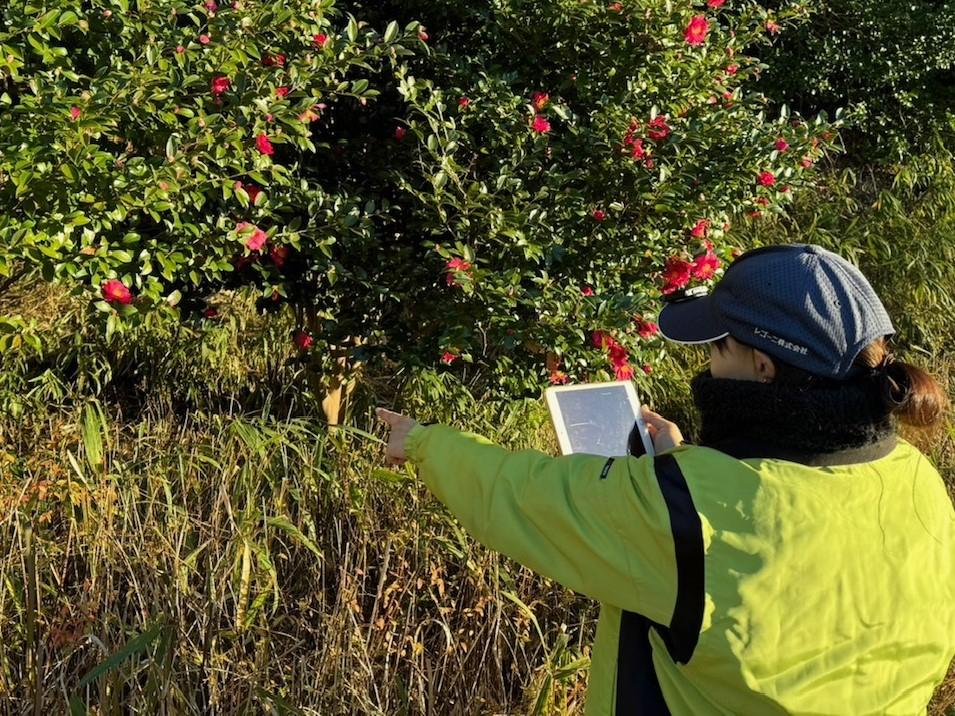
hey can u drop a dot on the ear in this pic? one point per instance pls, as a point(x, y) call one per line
point(764, 366)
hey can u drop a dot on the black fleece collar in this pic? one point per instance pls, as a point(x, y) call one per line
point(838, 425)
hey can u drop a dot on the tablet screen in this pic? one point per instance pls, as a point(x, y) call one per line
point(597, 420)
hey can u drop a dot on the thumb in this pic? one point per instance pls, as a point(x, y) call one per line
point(654, 419)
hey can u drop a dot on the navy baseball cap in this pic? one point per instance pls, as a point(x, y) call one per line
point(799, 303)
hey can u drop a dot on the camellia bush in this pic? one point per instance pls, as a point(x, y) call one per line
point(507, 188)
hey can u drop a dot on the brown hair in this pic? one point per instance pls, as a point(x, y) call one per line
point(906, 391)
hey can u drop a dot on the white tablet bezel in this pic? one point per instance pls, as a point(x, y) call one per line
point(557, 417)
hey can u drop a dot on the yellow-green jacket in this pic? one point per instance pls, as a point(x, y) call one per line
point(727, 586)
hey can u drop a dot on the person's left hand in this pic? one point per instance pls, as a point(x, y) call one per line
point(400, 427)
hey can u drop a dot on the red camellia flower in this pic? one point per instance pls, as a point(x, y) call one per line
point(115, 291)
point(601, 339)
point(282, 91)
point(695, 32)
point(539, 100)
point(587, 291)
point(263, 144)
point(210, 5)
point(274, 60)
point(676, 274)
point(732, 69)
point(279, 255)
point(638, 152)
point(615, 7)
point(806, 162)
point(646, 329)
point(422, 35)
point(320, 39)
point(781, 145)
point(766, 178)
point(540, 125)
point(400, 133)
point(785, 189)
point(448, 358)
point(257, 238)
point(220, 85)
point(624, 371)
point(657, 129)
point(74, 113)
point(647, 368)
point(463, 102)
point(303, 340)
point(762, 201)
point(705, 266)
point(599, 215)
point(180, 49)
point(714, 4)
point(204, 39)
point(210, 312)
point(771, 27)
point(700, 228)
point(453, 266)
point(615, 352)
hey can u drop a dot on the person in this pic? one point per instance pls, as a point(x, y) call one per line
point(800, 558)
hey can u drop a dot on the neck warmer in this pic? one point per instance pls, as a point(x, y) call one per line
point(821, 425)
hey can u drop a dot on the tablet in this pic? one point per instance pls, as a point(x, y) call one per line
point(597, 418)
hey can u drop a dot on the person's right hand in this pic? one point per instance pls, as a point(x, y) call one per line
point(664, 434)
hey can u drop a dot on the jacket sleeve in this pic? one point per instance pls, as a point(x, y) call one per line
point(604, 535)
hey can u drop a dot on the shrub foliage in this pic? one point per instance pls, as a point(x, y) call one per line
point(509, 185)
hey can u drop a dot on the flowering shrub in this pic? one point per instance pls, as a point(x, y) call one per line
point(490, 189)
point(579, 161)
point(152, 156)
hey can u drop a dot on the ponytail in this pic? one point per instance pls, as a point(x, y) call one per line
point(907, 391)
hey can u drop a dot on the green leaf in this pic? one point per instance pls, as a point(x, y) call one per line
point(134, 646)
point(67, 18)
point(284, 524)
point(391, 32)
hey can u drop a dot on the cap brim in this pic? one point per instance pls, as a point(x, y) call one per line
point(692, 321)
